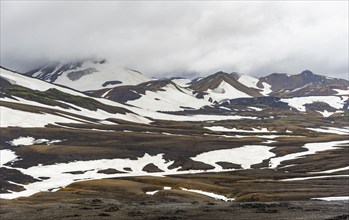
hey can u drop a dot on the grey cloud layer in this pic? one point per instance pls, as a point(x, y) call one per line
point(162, 38)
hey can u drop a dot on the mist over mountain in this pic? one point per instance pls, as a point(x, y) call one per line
point(165, 38)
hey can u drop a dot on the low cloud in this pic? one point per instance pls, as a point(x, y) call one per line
point(180, 38)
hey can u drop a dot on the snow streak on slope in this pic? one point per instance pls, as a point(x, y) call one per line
point(16, 118)
point(28, 119)
point(333, 198)
point(252, 82)
point(224, 129)
point(342, 92)
point(209, 194)
point(312, 149)
point(171, 99)
point(331, 130)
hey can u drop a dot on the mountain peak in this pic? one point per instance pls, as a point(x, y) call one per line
point(88, 74)
point(307, 73)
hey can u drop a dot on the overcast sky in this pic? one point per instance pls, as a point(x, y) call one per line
point(179, 37)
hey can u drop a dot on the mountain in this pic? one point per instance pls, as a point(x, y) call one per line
point(30, 102)
point(222, 86)
point(158, 143)
point(232, 93)
point(87, 74)
point(304, 84)
point(157, 95)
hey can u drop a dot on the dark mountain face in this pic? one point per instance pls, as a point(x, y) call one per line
point(127, 93)
point(51, 71)
point(213, 81)
point(273, 102)
point(306, 83)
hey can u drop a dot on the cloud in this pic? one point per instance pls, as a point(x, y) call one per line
point(176, 37)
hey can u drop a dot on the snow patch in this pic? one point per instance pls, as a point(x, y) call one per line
point(331, 130)
point(312, 149)
point(224, 129)
point(300, 102)
point(7, 156)
point(332, 198)
point(23, 141)
point(209, 194)
point(245, 156)
point(223, 92)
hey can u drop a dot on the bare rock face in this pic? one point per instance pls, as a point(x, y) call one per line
point(151, 168)
point(76, 75)
point(303, 84)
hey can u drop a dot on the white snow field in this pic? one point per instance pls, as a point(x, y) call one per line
point(59, 175)
point(299, 102)
point(12, 117)
point(104, 72)
point(7, 156)
point(223, 92)
point(251, 82)
point(16, 118)
point(171, 99)
point(245, 156)
point(312, 149)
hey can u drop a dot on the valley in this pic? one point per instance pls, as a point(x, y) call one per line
point(173, 149)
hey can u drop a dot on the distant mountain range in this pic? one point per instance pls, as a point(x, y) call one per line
point(217, 94)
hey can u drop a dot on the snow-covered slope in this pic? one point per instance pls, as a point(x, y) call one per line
point(252, 82)
point(30, 102)
point(224, 91)
point(88, 75)
point(171, 97)
point(36, 112)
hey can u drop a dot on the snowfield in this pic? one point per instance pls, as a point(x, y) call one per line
point(104, 72)
point(252, 82)
point(312, 149)
point(223, 92)
point(60, 176)
point(16, 118)
point(171, 99)
point(299, 102)
point(246, 156)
